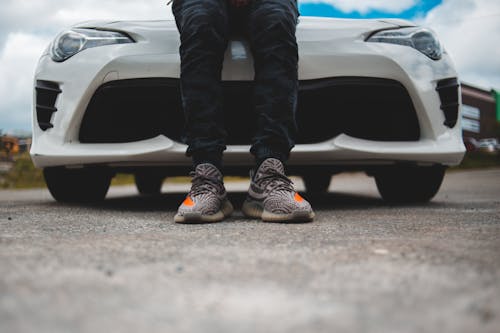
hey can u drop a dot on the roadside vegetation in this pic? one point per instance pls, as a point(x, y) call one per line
point(479, 160)
point(23, 174)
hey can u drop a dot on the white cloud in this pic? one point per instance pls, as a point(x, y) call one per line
point(470, 30)
point(26, 28)
point(17, 65)
point(365, 6)
point(47, 17)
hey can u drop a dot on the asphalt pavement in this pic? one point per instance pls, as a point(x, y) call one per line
point(362, 266)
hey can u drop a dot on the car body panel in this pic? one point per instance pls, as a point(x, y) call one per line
point(327, 48)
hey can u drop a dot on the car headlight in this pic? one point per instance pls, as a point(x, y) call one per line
point(70, 42)
point(421, 39)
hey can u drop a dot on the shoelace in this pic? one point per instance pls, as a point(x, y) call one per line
point(274, 180)
point(202, 184)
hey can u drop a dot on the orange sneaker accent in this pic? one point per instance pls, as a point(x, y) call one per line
point(298, 198)
point(188, 202)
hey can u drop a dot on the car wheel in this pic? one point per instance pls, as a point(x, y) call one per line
point(409, 184)
point(148, 184)
point(317, 183)
point(77, 185)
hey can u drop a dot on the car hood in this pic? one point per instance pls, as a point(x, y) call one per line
point(308, 29)
point(322, 43)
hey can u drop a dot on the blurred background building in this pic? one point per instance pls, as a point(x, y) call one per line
point(480, 112)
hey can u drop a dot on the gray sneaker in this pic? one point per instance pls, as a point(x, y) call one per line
point(272, 198)
point(207, 200)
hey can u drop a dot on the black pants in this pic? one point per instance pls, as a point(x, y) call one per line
point(205, 27)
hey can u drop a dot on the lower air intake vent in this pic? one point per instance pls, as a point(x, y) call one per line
point(46, 96)
point(365, 108)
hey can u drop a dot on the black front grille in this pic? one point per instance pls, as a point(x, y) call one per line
point(448, 91)
point(46, 96)
point(366, 108)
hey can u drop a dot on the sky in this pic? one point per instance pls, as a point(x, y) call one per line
point(469, 30)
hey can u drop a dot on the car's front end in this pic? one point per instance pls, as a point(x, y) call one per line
point(373, 93)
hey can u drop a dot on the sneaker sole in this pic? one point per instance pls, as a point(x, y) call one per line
point(255, 209)
point(198, 218)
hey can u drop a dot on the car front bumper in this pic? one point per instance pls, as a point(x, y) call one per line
point(81, 76)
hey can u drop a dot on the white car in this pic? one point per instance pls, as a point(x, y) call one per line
point(381, 96)
point(488, 145)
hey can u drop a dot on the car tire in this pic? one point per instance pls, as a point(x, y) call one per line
point(409, 184)
point(148, 184)
point(77, 185)
point(317, 183)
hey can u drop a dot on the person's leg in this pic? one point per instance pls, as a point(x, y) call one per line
point(271, 31)
point(203, 27)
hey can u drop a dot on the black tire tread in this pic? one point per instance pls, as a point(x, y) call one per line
point(77, 185)
point(409, 184)
point(317, 183)
point(148, 184)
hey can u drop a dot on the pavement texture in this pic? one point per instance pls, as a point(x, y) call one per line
point(362, 266)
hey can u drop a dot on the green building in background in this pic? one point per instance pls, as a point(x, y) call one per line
point(496, 95)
